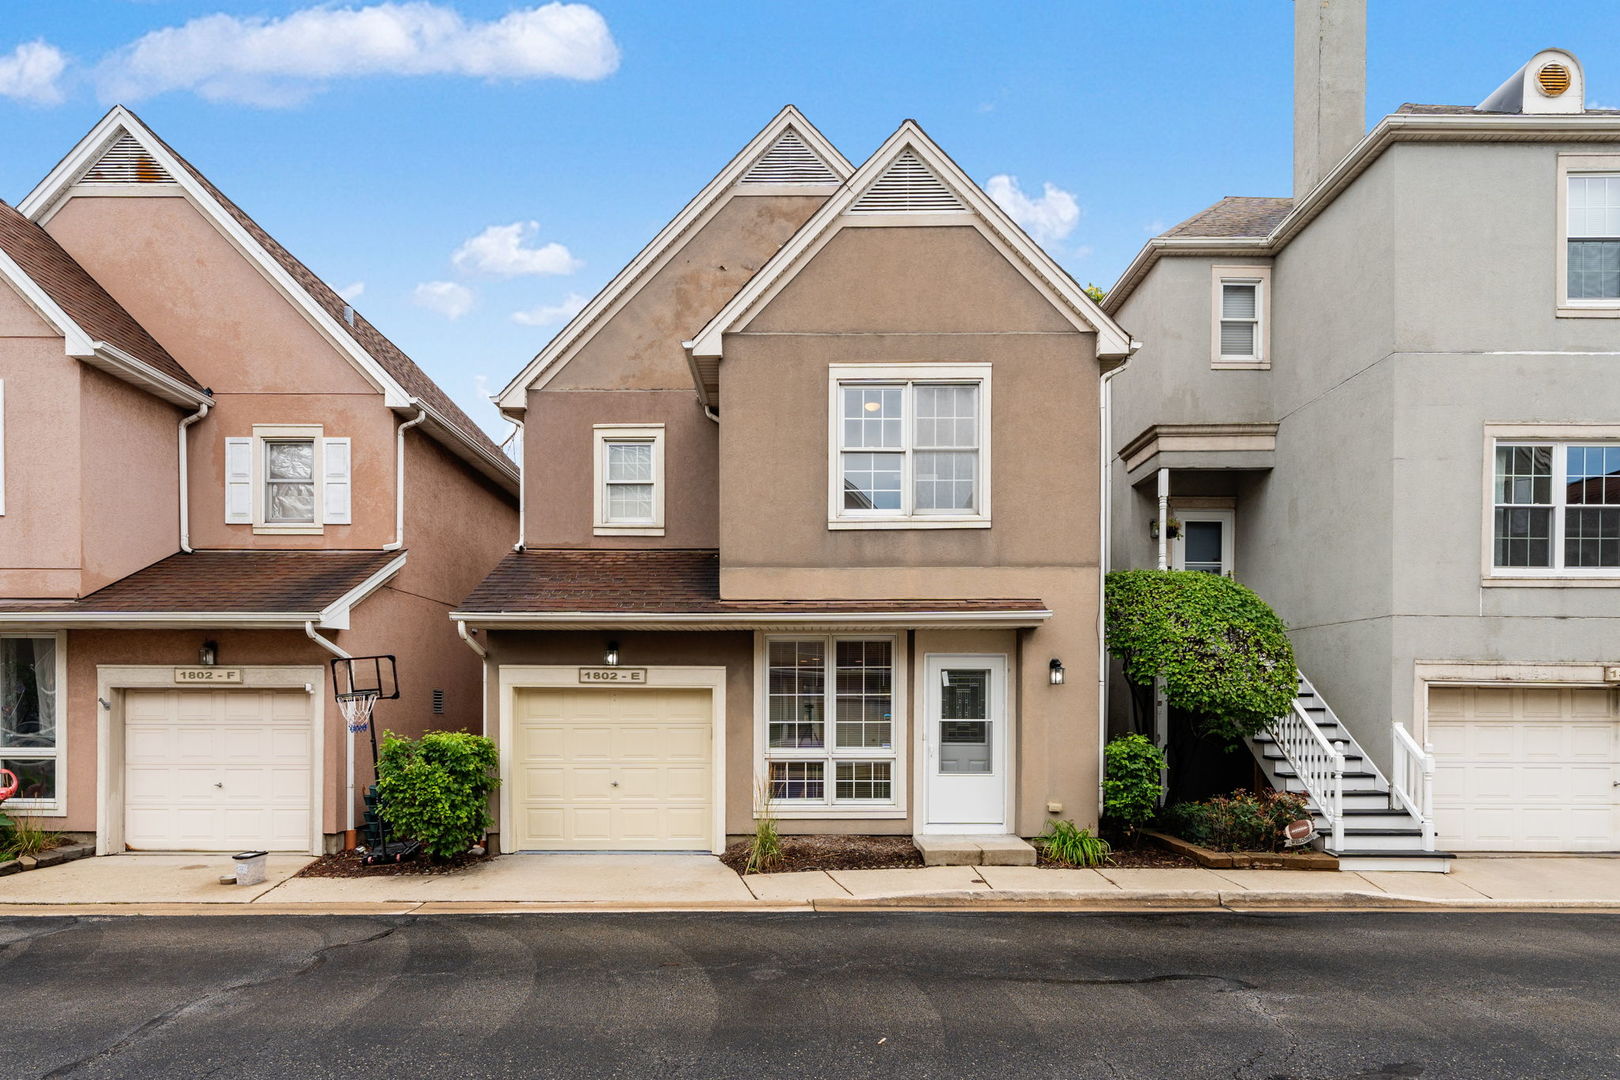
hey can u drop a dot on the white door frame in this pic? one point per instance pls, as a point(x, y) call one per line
point(112, 680)
point(515, 677)
point(1228, 520)
point(1002, 729)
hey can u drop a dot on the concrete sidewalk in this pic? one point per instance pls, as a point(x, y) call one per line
point(188, 884)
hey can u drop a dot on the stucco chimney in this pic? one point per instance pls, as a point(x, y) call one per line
point(1330, 85)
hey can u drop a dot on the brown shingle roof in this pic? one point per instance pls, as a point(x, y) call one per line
point(392, 359)
point(202, 582)
point(664, 581)
point(1235, 215)
point(78, 294)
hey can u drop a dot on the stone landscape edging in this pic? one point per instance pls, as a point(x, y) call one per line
point(1244, 860)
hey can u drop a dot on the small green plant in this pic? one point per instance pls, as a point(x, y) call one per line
point(436, 789)
point(1067, 843)
point(1241, 821)
point(23, 837)
point(1132, 767)
point(765, 846)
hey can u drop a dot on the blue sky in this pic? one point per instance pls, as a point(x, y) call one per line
point(598, 123)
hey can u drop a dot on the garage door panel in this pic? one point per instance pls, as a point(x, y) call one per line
point(630, 769)
point(1526, 768)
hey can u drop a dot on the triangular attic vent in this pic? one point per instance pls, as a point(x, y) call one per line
point(907, 184)
point(127, 162)
point(790, 161)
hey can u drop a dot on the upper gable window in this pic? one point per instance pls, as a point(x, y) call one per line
point(287, 478)
point(629, 473)
point(1240, 336)
point(1589, 249)
point(910, 446)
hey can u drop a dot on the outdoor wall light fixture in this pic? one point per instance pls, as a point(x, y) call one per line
point(1057, 671)
point(208, 655)
point(611, 656)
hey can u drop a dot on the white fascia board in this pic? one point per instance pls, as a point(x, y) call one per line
point(336, 615)
point(132, 369)
point(703, 620)
point(89, 151)
point(161, 620)
point(1032, 261)
point(627, 282)
point(496, 467)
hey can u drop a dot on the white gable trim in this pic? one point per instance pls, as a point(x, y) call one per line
point(1036, 265)
point(703, 207)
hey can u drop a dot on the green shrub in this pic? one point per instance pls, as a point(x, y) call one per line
point(1222, 652)
point(436, 789)
point(1131, 781)
point(1241, 821)
point(1071, 845)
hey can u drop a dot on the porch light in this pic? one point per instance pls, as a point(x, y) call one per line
point(1057, 671)
point(611, 656)
point(208, 655)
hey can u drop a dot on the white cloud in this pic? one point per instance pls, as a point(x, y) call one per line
point(30, 72)
point(499, 250)
point(1050, 217)
point(446, 297)
point(281, 61)
point(353, 292)
point(551, 314)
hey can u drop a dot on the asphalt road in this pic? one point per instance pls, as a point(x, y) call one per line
point(799, 996)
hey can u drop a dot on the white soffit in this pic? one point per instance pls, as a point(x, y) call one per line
point(616, 293)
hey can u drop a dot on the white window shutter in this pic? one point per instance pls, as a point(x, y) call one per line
point(238, 481)
point(335, 481)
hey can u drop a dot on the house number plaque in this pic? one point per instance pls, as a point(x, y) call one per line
point(636, 675)
point(214, 676)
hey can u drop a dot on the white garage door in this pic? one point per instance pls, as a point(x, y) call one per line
point(217, 770)
point(1530, 769)
point(596, 769)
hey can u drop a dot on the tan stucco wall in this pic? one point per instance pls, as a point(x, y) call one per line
point(131, 461)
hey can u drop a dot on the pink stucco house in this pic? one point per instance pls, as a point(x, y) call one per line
point(216, 474)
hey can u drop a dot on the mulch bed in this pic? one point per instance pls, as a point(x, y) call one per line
point(347, 864)
point(1149, 858)
point(834, 852)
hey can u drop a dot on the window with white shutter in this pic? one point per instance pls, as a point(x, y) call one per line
point(288, 478)
point(1241, 325)
point(335, 482)
point(239, 481)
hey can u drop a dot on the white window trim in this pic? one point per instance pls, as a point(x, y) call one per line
point(602, 434)
point(1568, 165)
point(263, 433)
point(840, 375)
point(57, 807)
point(1492, 575)
point(1259, 276)
point(801, 809)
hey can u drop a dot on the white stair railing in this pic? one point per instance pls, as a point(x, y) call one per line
point(1411, 781)
point(1318, 764)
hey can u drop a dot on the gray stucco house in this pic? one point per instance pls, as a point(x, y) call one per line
point(1391, 405)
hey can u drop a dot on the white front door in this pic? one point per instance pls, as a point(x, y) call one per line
point(1204, 542)
point(965, 758)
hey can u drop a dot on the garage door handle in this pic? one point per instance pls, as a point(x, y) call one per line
point(220, 784)
point(615, 783)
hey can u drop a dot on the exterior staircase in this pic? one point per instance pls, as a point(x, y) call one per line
point(1363, 819)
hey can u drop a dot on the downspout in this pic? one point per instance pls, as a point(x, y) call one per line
point(708, 410)
point(523, 500)
point(483, 690)
point(185, 493)
point(337, 650)
point(399, 481)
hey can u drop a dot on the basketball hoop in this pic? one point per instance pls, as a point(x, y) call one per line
point(356, 708)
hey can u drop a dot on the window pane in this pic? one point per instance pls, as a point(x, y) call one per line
point(1593, 474)
point(872, 416)
point(289, 502)
point(630, 502)
point(945, 481)
point(865, 674)
point(964, 726)
point(1201, 546)
point(798, 780)
point(1523, 536)
point(1524, 475)
point(864, 780)
point(797, 682)
point(291, 460)
point(629, 463)
point(28, 692)
point(1238, 301)
point(872, 481)
point(947, 416)
point(1237, 338)
point(1592, 537)
point(1594, 269)
point(36, 778)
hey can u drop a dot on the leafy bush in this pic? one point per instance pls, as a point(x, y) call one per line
point(436, 789)
point(1131, 781)
point(1222, 652)
point(1071, 845)
point(1241, 821)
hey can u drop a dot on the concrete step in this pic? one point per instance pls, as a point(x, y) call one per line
point(965, 850)
point(1422, 862)
point(1354, 780)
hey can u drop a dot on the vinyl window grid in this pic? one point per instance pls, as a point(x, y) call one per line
point(331, 479)
point(57, 753)
point(832, 776)
point(1589, 214)
point(1257, 278)
point(1525, 493)
point(606, 479)
point(905, 380)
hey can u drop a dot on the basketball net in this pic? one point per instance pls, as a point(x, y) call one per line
point(357, 708)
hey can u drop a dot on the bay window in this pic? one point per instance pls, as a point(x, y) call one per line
point(830, 726)
point(31, 733)
point(1556, 508)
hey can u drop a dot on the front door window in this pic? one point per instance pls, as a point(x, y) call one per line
point(1204, 542)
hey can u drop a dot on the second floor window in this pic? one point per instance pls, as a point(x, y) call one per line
point(629, 498)
point(1557, 507)
point(1593, 237)
point(1240, 328)
point(287, 478)
point(910, 451)
point(289, 481)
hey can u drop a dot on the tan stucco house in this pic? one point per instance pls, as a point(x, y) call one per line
point(810, 521)
point(216, 476)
